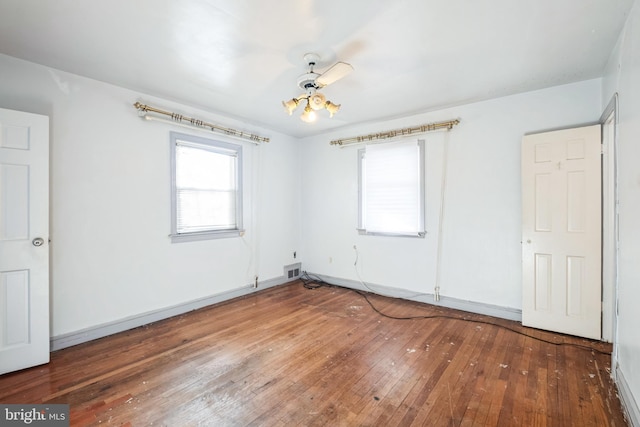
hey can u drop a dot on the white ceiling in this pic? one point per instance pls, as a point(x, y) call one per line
point(242, 58)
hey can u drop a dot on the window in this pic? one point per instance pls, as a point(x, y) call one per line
point(391, 189)
point(206, 188)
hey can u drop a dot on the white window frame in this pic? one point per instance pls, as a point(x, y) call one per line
point(215, 146)
point(362, 226)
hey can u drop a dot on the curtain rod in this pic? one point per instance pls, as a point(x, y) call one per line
point(179, 118)
point(397, 132)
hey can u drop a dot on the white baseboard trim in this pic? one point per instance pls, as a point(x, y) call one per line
point(629, 404)
point(78, 337)
point(470, 306)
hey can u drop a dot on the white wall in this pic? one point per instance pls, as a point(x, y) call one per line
point(623, 76)
point(111, 257)
point(481, 254)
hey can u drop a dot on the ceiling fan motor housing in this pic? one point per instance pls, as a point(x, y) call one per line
point(307, 81)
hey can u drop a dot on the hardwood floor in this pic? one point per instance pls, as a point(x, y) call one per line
point(293, 356)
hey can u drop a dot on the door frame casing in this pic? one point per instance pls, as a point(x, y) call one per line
point(610, 235)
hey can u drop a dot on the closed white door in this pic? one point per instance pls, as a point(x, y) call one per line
point(24, 235)
point(561, 231)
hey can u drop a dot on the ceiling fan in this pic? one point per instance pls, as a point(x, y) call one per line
point(310, 82)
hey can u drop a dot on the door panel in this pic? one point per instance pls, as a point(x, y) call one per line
point(15, 289)
point(542, 202)
point(543, 282)
point(24, 261)
point(561, 234)
point(14, 206)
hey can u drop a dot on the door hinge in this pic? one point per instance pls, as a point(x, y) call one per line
point(601, 148)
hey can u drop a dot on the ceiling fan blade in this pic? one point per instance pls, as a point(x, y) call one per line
point(334, 73)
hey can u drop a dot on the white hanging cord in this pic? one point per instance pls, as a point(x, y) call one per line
point(253, 245)
point(443, 187)
point(255, 201)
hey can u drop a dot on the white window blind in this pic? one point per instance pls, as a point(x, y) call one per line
point(392, 188)
point(206, 188)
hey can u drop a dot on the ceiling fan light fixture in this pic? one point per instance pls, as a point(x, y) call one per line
point(310, 82)
point(308, 115)
point(290, 105)
point(317, 101)
point(332, 108)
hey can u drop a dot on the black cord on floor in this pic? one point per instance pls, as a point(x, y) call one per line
point(312, 282)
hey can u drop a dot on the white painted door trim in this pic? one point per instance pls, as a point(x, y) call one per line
point(610, 235)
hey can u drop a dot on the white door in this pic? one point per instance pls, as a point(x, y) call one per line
point(24, 234)
point(561, 231)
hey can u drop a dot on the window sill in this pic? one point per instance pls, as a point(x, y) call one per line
point(209, 235)
point(419, 234)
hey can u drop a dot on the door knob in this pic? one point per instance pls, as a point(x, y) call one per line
point(38, 241)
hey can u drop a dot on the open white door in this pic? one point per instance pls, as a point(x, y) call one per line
point(24, 235)
point(561, 231)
